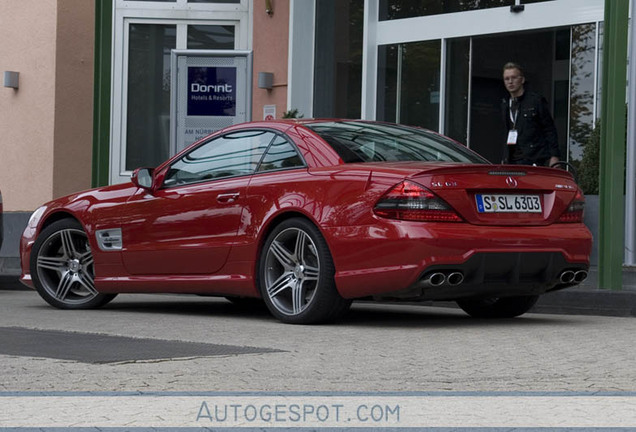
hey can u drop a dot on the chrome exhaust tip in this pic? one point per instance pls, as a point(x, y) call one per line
point(436, 279)
point(455, 278)
point(567, 276)
point(580, 276)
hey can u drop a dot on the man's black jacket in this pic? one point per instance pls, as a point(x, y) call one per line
point(537, 135)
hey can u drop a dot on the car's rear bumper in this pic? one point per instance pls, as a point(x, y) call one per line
point(492, 274)
point(492, 261)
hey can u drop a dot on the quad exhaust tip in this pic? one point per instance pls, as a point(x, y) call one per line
point(437, 279)
point(570, 276)
point(580, 276)
point(455, 278)
point(450, 278)
point(567, 276)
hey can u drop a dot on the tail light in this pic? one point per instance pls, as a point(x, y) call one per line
point(574, 212)
point(410, 201)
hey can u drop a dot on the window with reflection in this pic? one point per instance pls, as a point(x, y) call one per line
point(148, 103)
point(457, 89)
point(231, 155)
point(190, 1)
point(148, 116)
point(338, 58)
point(398, 9)
point(214, 1)
point(358, 141)
point(408, 83)
point(581, 112)
point(211, 37)
point(281, 154)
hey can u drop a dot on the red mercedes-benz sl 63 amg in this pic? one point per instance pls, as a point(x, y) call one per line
point(308, 215)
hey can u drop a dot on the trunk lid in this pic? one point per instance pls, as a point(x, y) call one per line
point(501, 194)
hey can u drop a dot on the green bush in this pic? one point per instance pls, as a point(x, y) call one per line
point(588, 174)
point(291, 114)
point(589, 168)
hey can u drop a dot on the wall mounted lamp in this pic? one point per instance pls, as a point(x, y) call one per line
point(268, 7)
point(265, 80)
point(11, 79)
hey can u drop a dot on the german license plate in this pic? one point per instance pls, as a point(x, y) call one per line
point(499, 203)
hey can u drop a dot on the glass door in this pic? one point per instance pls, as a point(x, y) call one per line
point(148, 113)
point(409, 83)
point(560, 64)
point(396, 30)
point(144, 36)
point(148, 96)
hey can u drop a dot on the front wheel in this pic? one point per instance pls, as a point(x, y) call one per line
point(62, 267)
point(498, 307)
point(296, 275)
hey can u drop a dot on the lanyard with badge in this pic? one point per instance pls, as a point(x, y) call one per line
point(512, 133)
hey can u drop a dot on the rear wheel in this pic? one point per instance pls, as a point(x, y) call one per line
point(62, 267)
point(498, 307)
point(296, 275)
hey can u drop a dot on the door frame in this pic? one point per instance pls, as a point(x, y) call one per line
point(179, 13)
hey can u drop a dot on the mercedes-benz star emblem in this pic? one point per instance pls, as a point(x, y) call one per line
point(511, 182)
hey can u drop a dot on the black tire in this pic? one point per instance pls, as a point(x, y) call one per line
point(496, 307)
point(296, 275)
point(62, 267)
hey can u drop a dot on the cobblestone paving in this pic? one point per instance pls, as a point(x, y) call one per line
point(376, 348)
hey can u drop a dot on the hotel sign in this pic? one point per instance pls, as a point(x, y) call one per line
point(211, 89)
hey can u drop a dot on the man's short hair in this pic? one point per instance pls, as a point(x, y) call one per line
point(513, 65)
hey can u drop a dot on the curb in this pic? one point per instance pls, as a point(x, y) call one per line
point(588, 302)
point(570, 301)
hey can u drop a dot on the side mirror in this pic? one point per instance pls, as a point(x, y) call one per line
point(142, 178)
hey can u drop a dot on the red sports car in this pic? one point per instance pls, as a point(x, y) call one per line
point(309, 215)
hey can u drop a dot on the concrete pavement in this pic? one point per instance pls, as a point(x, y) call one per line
point(375, 348)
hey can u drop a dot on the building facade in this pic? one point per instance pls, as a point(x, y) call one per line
point(74, 122)
point(46, 123)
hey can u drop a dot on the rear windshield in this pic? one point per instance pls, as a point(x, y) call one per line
point(357, 141)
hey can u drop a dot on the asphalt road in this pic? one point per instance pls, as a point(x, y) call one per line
point(184, 343)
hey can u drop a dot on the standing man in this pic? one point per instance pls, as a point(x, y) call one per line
point(531, 137)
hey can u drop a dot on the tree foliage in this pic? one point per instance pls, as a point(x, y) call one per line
point(589, 167)
point(292, 114)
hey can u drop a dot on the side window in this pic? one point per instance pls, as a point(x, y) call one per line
point(280, 155)
point(231, 155)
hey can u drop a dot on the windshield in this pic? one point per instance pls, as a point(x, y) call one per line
point(358, 141)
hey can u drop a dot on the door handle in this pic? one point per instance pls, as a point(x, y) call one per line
point(227, 197)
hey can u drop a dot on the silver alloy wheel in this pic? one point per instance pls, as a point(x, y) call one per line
point(65, 267)
point(292, 270)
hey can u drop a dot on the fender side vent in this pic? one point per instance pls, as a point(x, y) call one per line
point(109, 239)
